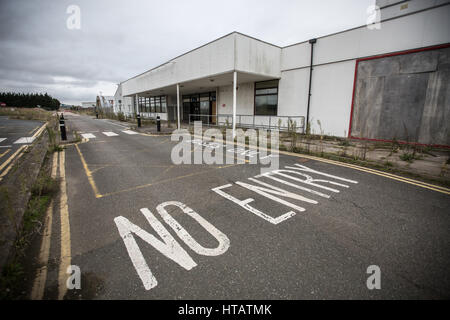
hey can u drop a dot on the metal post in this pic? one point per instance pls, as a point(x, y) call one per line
point(62, 127)
point(312, 42)
point(234, 103)
point(178, 106)
point(138, 112)
point(158, 123)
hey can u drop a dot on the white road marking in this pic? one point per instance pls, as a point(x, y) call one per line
point(169, 247)
point(116, 124)
point(271, 192)
point(110, 134)
point(88, 135)
point(306, 169)
point(129, 132)
point(8, 146)
point(25, 140)
point(271, 173)
point(245, 204)
point(2, 139)
point(224, 242)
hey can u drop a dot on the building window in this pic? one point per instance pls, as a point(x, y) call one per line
point(154, 104)
point(158, 104)
point(163, 104)
point(266, 98)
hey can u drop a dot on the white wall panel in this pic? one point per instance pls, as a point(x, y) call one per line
point(257, 57)
point(331, 97)
point(293, 93)
point(244, 99)
point(426, 28)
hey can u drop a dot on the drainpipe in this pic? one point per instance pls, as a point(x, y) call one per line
point(312, 41)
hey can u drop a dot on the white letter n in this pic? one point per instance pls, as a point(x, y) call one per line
point(168, 247)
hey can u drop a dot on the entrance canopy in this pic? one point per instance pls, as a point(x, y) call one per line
point(205, 84)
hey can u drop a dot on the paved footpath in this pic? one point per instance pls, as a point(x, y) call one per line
point(140, 227)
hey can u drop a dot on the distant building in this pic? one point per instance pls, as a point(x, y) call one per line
point(86, 105)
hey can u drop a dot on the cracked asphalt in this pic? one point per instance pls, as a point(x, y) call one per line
point(322, 252)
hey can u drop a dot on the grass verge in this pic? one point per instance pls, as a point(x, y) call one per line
point(27, 113)
point(42, 191)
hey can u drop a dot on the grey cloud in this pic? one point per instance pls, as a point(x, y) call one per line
point(119, 39)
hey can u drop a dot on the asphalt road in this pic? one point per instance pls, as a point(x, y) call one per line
point(322, 252)
point(11, 133)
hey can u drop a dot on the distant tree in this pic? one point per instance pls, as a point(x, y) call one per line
point(29, 100)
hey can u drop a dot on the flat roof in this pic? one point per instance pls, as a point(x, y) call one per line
point(274, 45)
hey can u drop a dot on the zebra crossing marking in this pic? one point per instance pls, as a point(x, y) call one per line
point(129, 132)
point(88, 136)
point(110, 134)
point(24, 140)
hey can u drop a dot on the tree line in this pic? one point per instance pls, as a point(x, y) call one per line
point(29, 100)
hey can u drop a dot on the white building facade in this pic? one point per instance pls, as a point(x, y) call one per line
point(343, 84)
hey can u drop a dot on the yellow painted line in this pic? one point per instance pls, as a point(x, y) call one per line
point(18, 152)
point(4, 164)
point(10, 162)
point(4, 153)
point(83, 140)
point(5, 172)
point(355, 167)
point(37, 293)
point(42, 128)
point(163, 181)
point(407, 179)
point(32, 130)
point(379, 173)
point(65, 258)
point(88, 173)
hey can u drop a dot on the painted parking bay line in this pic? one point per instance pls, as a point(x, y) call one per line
point(25, 140)
point(88, 136)
point(2, 139)
point(130, 132)
point(110, 134)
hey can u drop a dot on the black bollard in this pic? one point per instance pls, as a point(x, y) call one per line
point(158, 124)
point(139, 120)
point(62, 127)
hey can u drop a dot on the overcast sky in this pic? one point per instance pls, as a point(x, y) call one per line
point(120, 39)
